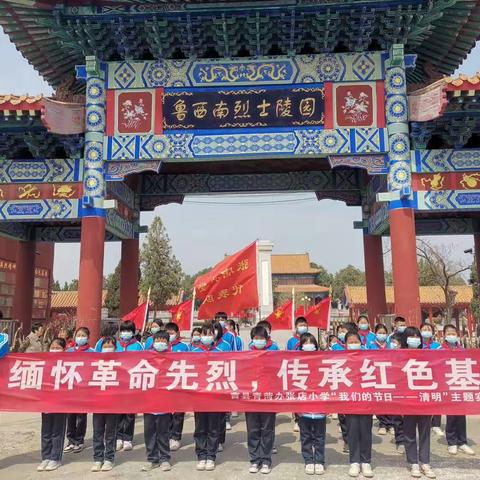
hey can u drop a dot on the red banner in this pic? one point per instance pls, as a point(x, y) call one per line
point(231, 286)
point(388, 382)
point(138, 315)
point(182, 315)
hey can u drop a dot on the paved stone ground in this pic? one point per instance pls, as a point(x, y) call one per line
point(20, 453)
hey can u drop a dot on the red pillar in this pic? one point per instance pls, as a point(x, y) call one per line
point(129, 276)
point(90, 282)
point(404, 265)
point(24, 283)
point(375, 277)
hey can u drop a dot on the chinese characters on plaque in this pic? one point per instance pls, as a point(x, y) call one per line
point(243, 108)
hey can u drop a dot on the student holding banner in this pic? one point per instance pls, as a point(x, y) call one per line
point(418, 454)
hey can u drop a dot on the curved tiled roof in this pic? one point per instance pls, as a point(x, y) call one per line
point(64, 299)
point(429, 295)
point(21, 102)
point(465, 81)
point(300, 288)
point(296, 263)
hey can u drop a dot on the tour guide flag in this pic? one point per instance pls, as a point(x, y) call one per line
point(138, 315)
point(400, 382)
point(281, 317)
point(182, 315)
point(317, 315)
point(231, 286)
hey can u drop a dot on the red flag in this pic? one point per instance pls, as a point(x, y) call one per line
point(231, 285)
point(182, 315)
point(300, 311)
point(317, 315)
point(281, 317)
point(138, 315)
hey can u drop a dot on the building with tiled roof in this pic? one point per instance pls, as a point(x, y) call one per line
point(432, 300)
point(67, 300)
point(295, 271)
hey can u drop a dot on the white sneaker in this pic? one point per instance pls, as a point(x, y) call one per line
point(382, 431)
point(78, 448)
point(220, 448)
point(438, 431)
point(452, 449)
point(400, 449)
point(415, 471)
point(175, 445)
point(209, 465)
point(354, 470)
point(228, 426)
point(391, 431)
point(319, 469)
point(427, 471)
point(296, 428)
point(127, 446)
point(235, 415)
point(253, 468)
point(266, 469)
point(201, 465)
point(334, 416)
point(367, 471)
point(274, 450)
point(52, 465)
point(107, 466)
point(310, 469)
point(96, 467)
point(466, 449)
point(119, 445)
point(68, 448)
point(165, 466)
point(42, 466)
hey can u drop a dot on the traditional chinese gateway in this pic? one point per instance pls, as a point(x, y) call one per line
point(158, 100)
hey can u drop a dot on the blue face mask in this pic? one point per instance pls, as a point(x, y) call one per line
point(206, 340)
point(381, 337)
point(413, 342)
point(354, 346)
point(427, 334)
point(195, 338)
point(155, 330)
point(160, 346)
point(126, 336)
point(363, 326)
point(172, 338)
point(260, 344)
point(80, 341)
point(401, 329)
point(301, 330)
point(452, 339)
point(341, 337)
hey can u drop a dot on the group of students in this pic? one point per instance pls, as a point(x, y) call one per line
point(163, 431)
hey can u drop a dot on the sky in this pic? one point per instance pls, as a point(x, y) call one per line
point(204, 228)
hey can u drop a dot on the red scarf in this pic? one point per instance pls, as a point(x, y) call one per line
point(449, 346)
point(205, 348)
point(266, 347)
point(81, 348)
point(175, 342)
point(125, 345)
point(382, 346)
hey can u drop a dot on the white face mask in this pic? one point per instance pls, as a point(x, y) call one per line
point(108, 349)
point(308, 347)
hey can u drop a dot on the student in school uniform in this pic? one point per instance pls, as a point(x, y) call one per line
point(380, 343)
point(207, 424)
point(268, 327)
point(359, 427)
point(157, 425)
point(427, 331)
point(176, 345)
point(155, 327)
point(342, 331)
point(312, 425)
point(231, 334)
point(77, 422)
point(399, 326)
point(397, 420)
point(195, 337)
point(456, 428)
point(126, 422)
point(301, 327)
point(332, 340)
point(366, 335)
point(104, 428)
point(260, 425)
point(53, 427)
point(418, 454)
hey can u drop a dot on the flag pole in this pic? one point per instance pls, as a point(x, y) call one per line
point(146, 310)
point(193, 309)
point(293, 308)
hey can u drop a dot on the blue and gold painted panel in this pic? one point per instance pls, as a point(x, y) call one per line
point(448, 200)
point(30, 210)
point(431, 161)
point(257, 71)
point(41, 170)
